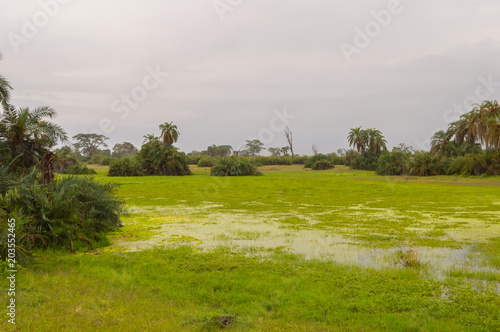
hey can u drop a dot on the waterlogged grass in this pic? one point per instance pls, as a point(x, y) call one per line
point(293, 250)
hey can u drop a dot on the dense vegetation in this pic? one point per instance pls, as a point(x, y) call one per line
point(234, 166)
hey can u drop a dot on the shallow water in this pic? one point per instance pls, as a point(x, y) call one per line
point(261, 234)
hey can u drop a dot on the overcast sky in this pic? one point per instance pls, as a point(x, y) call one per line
point(398, 66)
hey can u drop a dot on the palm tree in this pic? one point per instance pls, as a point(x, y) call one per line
point(440, 140)
point(28, 136)
point(376, 141)
point(479, 125)
point(169, 133)
point(357, 138)
point(5, 89)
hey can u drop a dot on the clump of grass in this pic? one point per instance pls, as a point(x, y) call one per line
point(408, 256)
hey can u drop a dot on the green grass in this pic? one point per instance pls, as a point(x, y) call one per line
point(197, 275)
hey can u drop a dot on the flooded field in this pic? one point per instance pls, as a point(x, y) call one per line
point(205, 228)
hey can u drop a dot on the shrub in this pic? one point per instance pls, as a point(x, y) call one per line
point(206, 161)
point(127, 166)
point(158, 159)
point(79, 169)
point(322, 165)
point(312, 160)
point(193, 160)
point(272, 160)
point(300, 160)
point(106, 161)
point(234, 166)
point(391, 163)
point(69, 211)
point(366, 162)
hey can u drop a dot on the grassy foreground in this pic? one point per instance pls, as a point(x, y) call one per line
point(193, 281)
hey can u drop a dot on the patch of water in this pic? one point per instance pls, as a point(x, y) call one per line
point(259, 233)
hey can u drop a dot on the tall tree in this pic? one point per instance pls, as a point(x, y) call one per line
point(28, 136)
point(89, 144)
point(169, 133)
point(376, 142)
point(254, 147)
point(439, 141)
point(357, 138)
point(289, 138)
point(284, 150)
point(5, 89)
point(276, 152)
point(315, 149)
point(124, 149)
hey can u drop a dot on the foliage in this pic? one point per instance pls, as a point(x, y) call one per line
point(26, 136)
point(254, 147)
point(321, 165)
point(71, 210)
point(312, 160)
point(218, 151)
point(125, 149)
point(127, 166)
point(234, 166)
point(370, 140)
point(5, 89)
point(272, 160)
point(79, 168)
point(88, 144)
point(206, 161)
point(160, 159)
point(367, 161)
point(169, 133)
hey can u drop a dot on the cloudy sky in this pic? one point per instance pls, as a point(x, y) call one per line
point(228, 70)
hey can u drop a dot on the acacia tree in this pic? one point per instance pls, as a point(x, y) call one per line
point(124, 149)
point(254, 146)
point(169, 133)
point(276, 152)
point(89, 144)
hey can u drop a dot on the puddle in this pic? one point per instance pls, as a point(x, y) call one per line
point(259, 234)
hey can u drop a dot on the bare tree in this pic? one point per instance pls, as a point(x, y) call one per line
point(315, 149)
point(289, 138)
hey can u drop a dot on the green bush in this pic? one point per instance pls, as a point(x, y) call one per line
point(391, 163)
point(127, 166)
point(159, 159)
point(106, 161)
point(300, 160)
point(193, 160)
point(367, 162)
point(69, 212)
point(272, 160)
point(314, 159)
point(79, 169)
point(206, 161)
point(322, 165)
point(234, 166)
